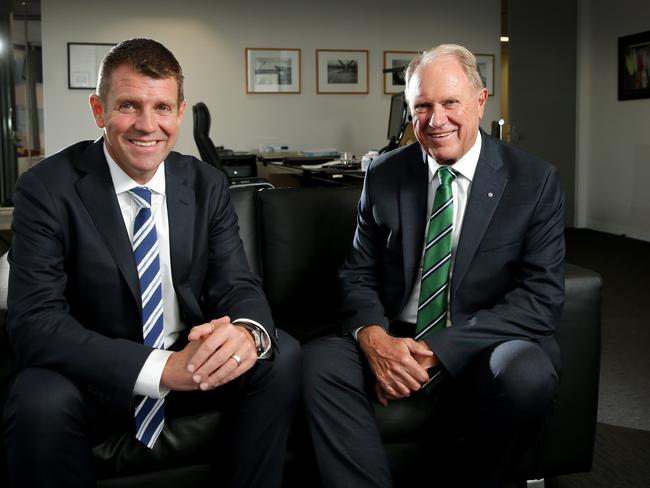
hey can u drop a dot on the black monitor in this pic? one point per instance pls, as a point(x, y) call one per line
point(397, 118)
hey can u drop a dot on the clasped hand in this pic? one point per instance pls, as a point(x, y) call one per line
point(398, 363)
point(207, 361)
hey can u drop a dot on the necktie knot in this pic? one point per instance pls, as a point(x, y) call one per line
point(446, 175)
point(142, 196)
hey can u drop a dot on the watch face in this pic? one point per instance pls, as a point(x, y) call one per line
point(258, 340)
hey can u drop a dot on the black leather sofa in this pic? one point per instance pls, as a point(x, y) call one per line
point(295, 239)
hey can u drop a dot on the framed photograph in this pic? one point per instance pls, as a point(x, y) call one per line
point(634, 66)
point(395, 63)
point(272, 70)
point(486, 69)
point(84, 59)
point(342, 71)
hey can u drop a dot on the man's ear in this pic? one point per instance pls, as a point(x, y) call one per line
point(97, 109)
point(181, 109)
point(482, 96)
point(482, 99)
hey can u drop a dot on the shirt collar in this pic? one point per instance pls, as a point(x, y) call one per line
point(123, 182)
point(465, 166)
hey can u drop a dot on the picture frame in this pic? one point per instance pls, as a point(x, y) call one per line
point(272, 70)
point(634, 66)
point(342, 71)
point(394, 80)
point(84, 60)
point(485, 63)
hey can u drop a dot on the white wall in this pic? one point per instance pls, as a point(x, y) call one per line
point(209, 37)
point(613, 164)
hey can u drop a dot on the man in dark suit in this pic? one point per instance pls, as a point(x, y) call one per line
point(79, 294)
point(489, 348)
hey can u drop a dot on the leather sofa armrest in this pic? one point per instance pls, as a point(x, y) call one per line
point(568, 441)
point(244, 202)
point(6, 353)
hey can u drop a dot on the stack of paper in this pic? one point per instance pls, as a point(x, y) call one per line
point(336, 162)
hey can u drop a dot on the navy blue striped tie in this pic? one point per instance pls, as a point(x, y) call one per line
point(150, 412)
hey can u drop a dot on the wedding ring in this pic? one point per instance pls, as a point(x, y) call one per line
point(236, 358)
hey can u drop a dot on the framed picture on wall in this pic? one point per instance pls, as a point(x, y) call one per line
point(272, 70)
point(485, 64)
point(84, 59)
point(634, 66)
point(341, 71)
point(395, 63)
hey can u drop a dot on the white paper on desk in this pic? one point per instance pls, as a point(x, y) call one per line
point(321, 165)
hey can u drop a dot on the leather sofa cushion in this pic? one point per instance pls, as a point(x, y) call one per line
point(185, 441)
point(307, 233)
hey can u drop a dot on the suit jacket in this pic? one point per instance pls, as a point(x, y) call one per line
point(74, 299)
point(508, 273)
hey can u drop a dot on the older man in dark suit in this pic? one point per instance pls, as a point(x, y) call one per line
point(452, 289)
point(130, 298)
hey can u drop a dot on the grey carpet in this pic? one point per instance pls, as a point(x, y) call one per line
point(624, 264)
point(621, 460)
point(622, 450)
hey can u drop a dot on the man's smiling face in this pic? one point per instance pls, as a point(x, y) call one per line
point(446, 109)
point(141, 118)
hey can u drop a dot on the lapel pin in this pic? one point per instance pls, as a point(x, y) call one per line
point(490, 194)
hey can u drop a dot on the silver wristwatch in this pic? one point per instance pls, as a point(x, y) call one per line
point(257, 336)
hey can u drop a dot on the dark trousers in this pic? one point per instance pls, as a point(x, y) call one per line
point(51, 425)
point(488, 417)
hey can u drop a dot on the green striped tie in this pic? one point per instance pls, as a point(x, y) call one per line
point(432, 306)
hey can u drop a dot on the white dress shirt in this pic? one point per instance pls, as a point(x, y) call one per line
point(465, 168)
point(148, 381)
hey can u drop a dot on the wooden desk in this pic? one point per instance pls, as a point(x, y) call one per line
point(281, 175)
point(294, 158)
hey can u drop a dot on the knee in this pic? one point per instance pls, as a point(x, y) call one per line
point(524, 377)
point(318, 366)
point(41, 401)
point(283, 371)
point(331, 364)
point(313, 373)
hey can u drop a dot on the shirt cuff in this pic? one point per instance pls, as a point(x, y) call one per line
point(266, 338)
point(148, 382)
point(355, 332)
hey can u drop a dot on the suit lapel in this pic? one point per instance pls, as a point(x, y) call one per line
point(181, 211)
point(97, 193)
point(487, 188)
point(413, 212)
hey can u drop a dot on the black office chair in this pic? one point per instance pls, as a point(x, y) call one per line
point(210, 154)
point(202, 122)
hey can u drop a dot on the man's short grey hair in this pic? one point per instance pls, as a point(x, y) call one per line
point(462, 54)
